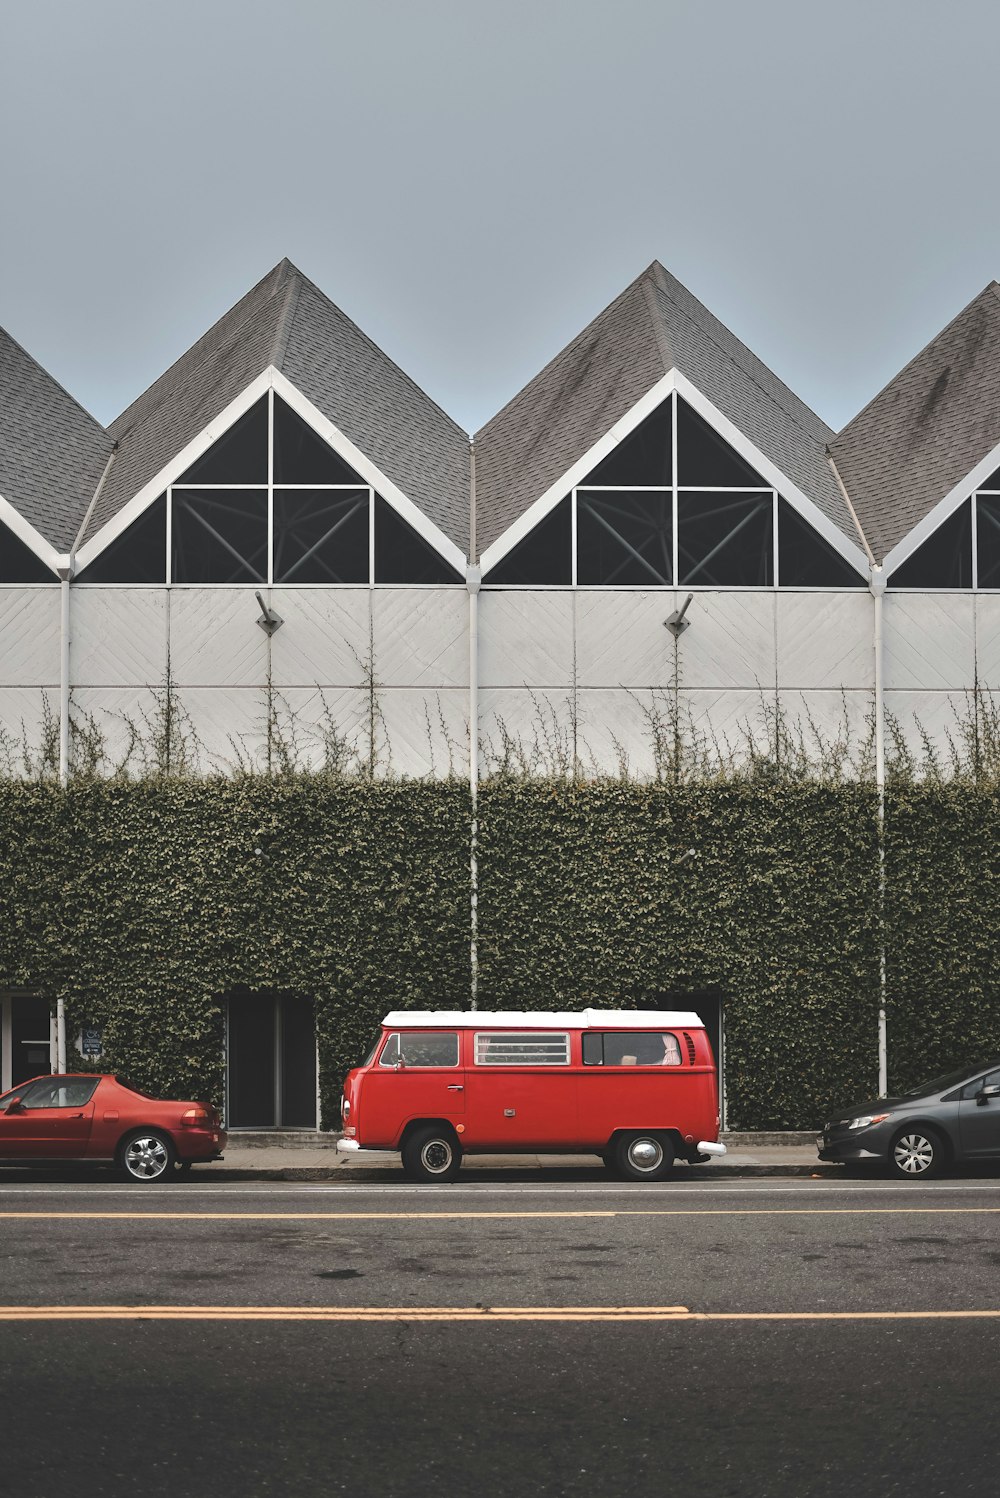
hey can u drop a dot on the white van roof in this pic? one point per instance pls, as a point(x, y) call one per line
point(583, 1019)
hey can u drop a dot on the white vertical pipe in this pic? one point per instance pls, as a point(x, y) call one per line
point(65, 573)
point(60, 1035)
point(877, 585)
point(473, 578)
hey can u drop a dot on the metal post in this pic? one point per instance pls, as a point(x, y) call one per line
point(65, 573)
point(60, 1035)
point(877, 585)
point(473, 578)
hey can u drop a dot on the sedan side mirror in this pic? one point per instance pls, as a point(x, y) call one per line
point(14, 1106)
point(985, 1093)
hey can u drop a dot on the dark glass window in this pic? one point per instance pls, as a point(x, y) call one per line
point(624, 538)
point(945, 558)
point(636, 1048)
point(18, 563)
point(239, 456)
point(321, 535)
point(543, 558)
point(805, 560)
point(988, 542)
point(704, 459)
point(301, 457)
point(421, 1048)
point(139, 555)
point(219, 536)
point(725, 540)
point(401, 556)
point(993, 482)
point(644, 457)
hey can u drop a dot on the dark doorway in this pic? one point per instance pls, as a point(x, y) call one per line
point(272, 1061)
point(706, 1003)
point(29, 1039)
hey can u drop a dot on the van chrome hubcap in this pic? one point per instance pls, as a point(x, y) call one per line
point(645, 1154)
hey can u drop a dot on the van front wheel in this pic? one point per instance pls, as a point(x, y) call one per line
point(431, 1154)
point(644, 1157)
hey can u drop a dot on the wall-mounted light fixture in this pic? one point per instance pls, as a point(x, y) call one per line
point(677, 623)
point(269, 621)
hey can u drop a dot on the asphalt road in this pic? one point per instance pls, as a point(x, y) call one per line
point(548, 1336)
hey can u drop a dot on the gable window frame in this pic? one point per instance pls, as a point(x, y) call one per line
point(270, 385)
point(675, 489)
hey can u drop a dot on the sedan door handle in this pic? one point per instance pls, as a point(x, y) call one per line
point(455, 1087)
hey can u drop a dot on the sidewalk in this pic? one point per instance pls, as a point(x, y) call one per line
point(302, 1157)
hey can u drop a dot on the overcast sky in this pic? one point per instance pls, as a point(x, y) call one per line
point(473, 180)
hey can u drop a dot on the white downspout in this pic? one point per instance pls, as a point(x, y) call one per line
point(877, 584)
point(65, 573)
point(473, 578)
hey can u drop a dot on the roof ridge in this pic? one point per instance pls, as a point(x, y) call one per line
point(58, 384)
point(278, 271)
point(519, 394)
point(659, 331)
point(366, 338)
point(283, 331)
point(990, 286)
point(660, 271)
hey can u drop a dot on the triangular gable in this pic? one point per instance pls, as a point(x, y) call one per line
point(650, 340)
point(191, 461)
point(598, 457)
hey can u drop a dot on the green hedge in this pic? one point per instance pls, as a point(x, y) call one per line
point(942, 927)
point(586, 898)
point(143, 902)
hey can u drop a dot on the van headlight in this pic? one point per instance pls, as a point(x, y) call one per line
point(867, 1120)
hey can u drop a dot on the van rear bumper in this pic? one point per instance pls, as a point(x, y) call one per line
point(711, 1149)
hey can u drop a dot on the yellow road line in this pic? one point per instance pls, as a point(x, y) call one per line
point(460, 1313)
point(501, 1216)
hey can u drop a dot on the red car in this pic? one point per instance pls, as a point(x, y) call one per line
point(92, 1117)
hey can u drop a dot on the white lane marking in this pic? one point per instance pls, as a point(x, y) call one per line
point(180, 1191)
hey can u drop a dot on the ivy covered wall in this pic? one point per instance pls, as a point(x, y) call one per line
point(942, 847)
point(589, 895)
point(143, 902)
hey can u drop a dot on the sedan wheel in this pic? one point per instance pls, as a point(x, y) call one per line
point(147, 1156)
point(916, 1154)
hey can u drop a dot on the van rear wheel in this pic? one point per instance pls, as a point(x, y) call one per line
point(431, 1154)
point(644, 1157)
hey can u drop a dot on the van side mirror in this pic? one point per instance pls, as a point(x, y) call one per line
point(399, 1064)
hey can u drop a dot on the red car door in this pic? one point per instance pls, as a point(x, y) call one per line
point(53, 1120)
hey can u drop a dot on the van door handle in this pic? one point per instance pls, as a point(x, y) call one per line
point(455, 1087)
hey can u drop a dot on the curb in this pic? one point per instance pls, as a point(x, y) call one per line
point(323, 1173)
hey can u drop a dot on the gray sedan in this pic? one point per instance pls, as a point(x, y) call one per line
point(949, 1120)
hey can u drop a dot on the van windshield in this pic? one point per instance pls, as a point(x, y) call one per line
point(370, 1055)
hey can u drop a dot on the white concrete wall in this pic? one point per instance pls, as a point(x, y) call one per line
point(584, 676)
point(29, 671)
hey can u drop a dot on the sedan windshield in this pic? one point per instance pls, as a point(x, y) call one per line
point(942, 1083)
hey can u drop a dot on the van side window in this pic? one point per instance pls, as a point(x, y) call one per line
point(635, 1048)
point(421, 1048)
point(521, 1048)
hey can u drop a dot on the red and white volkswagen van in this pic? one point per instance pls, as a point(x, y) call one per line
point(637, 1088)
